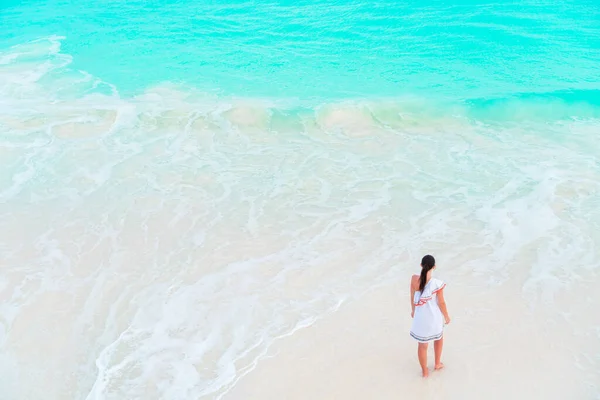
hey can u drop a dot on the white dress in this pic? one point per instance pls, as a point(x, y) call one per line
point(428, 321)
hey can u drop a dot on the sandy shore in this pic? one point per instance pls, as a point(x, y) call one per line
point(495, 348)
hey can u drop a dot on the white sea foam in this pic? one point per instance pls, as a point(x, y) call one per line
point(155, 246)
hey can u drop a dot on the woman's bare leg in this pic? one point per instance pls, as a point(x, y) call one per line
point(422, 352)
point(437, 349)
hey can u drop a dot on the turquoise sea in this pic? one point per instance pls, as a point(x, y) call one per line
point(324, 50)
point(182, 182)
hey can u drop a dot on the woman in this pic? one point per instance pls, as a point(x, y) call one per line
point(429, 313)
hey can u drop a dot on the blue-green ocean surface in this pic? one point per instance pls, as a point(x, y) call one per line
point(182, 183)
point(324, 49)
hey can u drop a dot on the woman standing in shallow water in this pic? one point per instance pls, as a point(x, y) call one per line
point(429, 313)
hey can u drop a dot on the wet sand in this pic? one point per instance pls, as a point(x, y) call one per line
point(496, 347)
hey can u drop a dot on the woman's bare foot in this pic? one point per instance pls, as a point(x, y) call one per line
point(439, 366)
point(425, 372)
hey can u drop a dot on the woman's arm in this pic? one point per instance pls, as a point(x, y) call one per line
point(442, 303)
point(412, 297)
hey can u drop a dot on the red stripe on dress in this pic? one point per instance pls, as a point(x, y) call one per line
point(423, 301)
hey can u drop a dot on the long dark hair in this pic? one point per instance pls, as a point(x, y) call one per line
point(427, 263)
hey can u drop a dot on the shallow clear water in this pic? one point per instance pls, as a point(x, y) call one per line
point(183, 182)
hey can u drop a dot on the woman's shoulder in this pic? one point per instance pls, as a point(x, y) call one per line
point(414, 280)
point(437, 284)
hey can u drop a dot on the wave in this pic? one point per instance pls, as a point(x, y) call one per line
point(38, 77)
